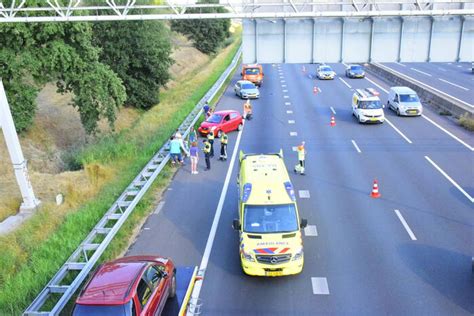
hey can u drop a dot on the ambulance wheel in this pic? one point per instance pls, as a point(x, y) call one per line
point(239, 128)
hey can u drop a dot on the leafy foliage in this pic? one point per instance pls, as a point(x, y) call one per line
point(35, 53)
point(207, 34)
point(139, 52)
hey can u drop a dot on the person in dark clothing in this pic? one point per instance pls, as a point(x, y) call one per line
point(210, 138)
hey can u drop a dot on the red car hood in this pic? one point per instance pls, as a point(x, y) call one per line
point(208, 125)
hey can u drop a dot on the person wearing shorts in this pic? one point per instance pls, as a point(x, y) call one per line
point(193, 152)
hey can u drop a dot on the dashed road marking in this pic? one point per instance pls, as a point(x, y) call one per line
point(283, 85)
point(291, 122)
point(332, 110)
point(448, 132)
point(400, 64)
point(320, 286)
point(404, 223)
point(453, 84)
point(304, 194)
point(293, 134)
point(281, 77)
point(286, 96)
point(398, 131)
point(159, 207)
point(470, 198)
point(311, 230)
point(344, 82)
point(289, 112)
point(287, 103)
point(282, 81)
point(421, 72)
point(356, 147)
point(146, 228)
point(285, 90)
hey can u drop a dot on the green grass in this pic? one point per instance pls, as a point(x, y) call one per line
point(28, 263)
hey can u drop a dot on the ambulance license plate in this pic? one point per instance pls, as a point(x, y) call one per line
point(274, 273)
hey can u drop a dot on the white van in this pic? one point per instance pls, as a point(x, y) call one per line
point(367, 107)
point(404, 101)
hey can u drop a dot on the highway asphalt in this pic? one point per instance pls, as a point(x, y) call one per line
point(455, 79)
point(406, 253)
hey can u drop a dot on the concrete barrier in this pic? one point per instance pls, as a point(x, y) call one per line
point(429, 95)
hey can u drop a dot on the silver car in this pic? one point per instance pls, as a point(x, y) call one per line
point(246, 90)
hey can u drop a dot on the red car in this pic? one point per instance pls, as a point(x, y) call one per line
point(226, 121)
point(128, 286)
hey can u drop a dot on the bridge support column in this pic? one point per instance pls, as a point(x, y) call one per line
point(16, 155)
point(461, 35)
point(431, 39)
point(371, 43)
point(313, 41)
point(341, 53)
point(256, 40)
point(400, 40)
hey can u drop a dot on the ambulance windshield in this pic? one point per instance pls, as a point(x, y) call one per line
point(270, 218)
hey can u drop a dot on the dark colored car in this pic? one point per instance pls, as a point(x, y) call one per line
point(226, 121)
point(355, 71)
point(129, 286)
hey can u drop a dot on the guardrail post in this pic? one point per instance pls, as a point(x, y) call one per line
point(256, 40)
point(371, 43)
point(313, 42)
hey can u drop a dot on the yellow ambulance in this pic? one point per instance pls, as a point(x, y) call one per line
point(269, 225)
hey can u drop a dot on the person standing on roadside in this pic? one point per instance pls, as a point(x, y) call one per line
point(207, 153)
point(224, 140)
point(176, 145)
point(206, 109)
point(247, 110)
point(193, 153)
point(192, 137)
point(210, 138)
point(301, 157)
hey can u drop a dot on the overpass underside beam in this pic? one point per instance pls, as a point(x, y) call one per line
point(393, 39)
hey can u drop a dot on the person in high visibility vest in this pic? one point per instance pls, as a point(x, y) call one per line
point(301, 158)
point(224, 141)
point(207, 153)
point(210, 138)
point(247, 110)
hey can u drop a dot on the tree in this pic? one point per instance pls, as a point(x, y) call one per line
point(139, 52)
point(35, 53)
point(207, 35)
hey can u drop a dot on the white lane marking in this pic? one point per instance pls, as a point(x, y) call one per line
point(146, 228)
point(281, 77)
point(398, 131)
point(400, 64)
point(319, 89)
point(286, 97)
point(404, 223)
point(376, 84)
point(332, 110)
point(450, 179)
point(287, 103)
point(283, 85)
point(453, 84)
point(311, 230)
point(282, 81)
point(215, 222)
point(304, 194)
point(293, 134)
point(289, 112)
point(344, 82)
point(320, 286)
point(356, 147)
point(159, 207)
point(285, 91)
point(421, 72)
point(448, 132)
point(423, 84)
point(459, 66)
point(345, 64)
point(291, 122)
point(442, 69)
point(294, 148)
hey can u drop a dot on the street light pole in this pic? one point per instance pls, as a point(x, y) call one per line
point(16, 155)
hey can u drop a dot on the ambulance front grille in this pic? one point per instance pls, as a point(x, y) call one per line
point(274, 259)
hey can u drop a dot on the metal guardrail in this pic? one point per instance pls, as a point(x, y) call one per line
point(81, 262)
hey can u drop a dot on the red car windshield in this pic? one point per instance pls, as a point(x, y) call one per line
point(215, 118)
point(126, 309)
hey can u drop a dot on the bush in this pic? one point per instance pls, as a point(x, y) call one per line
point(467, 122)
point(21, 98)
point(208, 35)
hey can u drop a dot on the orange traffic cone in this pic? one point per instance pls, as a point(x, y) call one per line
point(333, 121)
point(375, 190)
point(315, 90)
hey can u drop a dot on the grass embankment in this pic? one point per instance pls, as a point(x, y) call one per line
point(32, 254)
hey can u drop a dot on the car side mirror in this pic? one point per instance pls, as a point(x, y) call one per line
point(303, 223)
point(236, 224)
